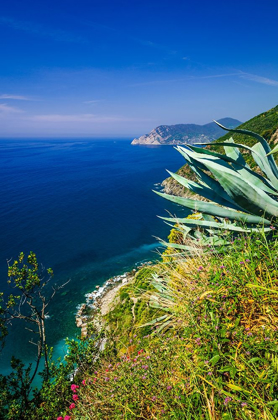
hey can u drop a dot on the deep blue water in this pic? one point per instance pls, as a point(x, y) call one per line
point(87, 209)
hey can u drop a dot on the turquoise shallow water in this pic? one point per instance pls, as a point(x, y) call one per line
point(87, 209)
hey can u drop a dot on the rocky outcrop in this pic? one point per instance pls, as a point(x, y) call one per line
point(185, 133)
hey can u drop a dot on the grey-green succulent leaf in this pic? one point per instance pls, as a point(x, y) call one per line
point(263, 142)
point(214, 210)
point(210, 224)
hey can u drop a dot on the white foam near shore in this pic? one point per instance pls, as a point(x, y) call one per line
point(97, 294)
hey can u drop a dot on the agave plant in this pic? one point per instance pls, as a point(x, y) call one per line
point(238, 199)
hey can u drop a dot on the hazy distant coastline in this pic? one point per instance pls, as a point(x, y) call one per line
point(185, 133)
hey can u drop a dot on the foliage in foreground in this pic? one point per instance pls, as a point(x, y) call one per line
point(265, 124)
point(212, 354)
point(234, 193)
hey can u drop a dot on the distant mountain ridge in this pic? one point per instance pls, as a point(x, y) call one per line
point(186, 133)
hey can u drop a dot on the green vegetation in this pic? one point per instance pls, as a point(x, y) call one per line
point(265, 124)
point(236, 192)
point(192, 337)
point(211, 348)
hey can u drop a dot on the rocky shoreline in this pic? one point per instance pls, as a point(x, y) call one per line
point(99, 302)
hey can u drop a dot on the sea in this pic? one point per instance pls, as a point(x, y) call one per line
point(87, 209)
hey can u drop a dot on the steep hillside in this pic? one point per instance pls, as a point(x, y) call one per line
point(185, 133)
point(265, 124)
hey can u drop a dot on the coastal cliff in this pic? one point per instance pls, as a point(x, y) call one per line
point(185, 133)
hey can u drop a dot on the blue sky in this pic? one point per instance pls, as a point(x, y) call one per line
point(121, 68)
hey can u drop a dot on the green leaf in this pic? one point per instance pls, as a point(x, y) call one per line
point(205, 192)
point(234, 153)
point(274, 150)
point(247, 174)
point(154, 321)
point(263, 142)
point(203, 223)
point(256, 286)
point(247, 196)
point(213, 209)
point(261, 160)
point(254, 359)
point(214, 359)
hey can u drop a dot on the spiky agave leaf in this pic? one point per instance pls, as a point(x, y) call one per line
point(236, 192)
point(261, 139)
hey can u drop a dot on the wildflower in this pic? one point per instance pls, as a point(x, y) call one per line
point(67, 417)
point(144, 377)
point(75, 397)
point(247, 260)
point(217, 328)
point(249, 334)
point(135, 335)
point(227, 400)
point(60, 418)
point(209, 373)
point(153, 398)
point(74, 387)
point(206, 361)
point(83, 382)
point(169, 387)
point(115, 379)
point(272, 227)
point(200, 268)
point(243, 404)
point(106, 379)
point(72, 406)
point(241, 262)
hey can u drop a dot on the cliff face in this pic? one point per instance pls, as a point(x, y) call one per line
point(185, 133)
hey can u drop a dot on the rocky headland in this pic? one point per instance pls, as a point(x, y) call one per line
point(185, 133)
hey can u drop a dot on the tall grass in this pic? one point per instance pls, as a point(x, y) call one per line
point(203, 345)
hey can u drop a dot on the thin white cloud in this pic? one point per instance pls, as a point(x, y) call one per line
point(41, 30)
point(216, 76)
point(258, 79)
point(238, 74)
point(6, 109)
point(15, 97)
point(56, 118)
point(94, 101)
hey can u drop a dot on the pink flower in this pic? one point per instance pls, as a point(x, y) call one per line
point(83, 382)
point(74, 387)
point(67, 418)
point(75, 397)
point(60, 418)
point(72, 406)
